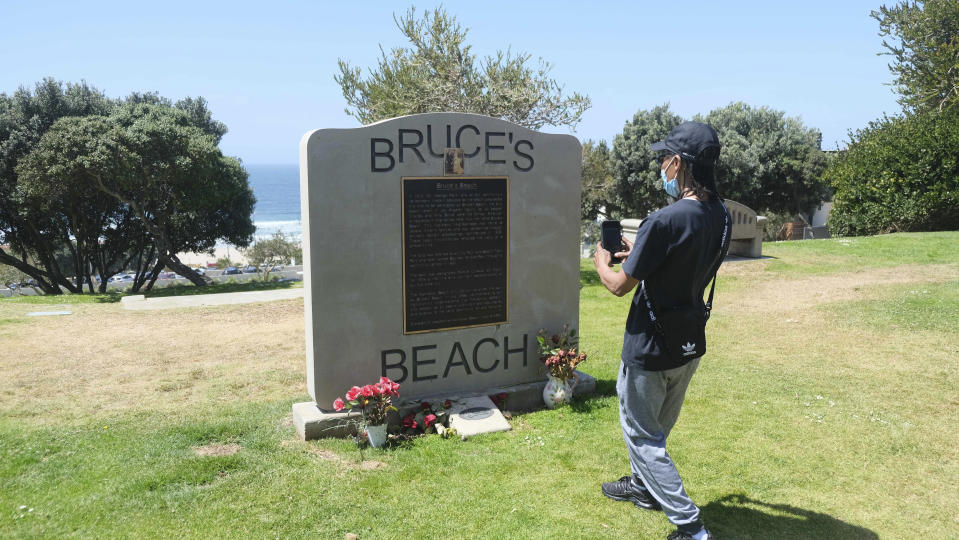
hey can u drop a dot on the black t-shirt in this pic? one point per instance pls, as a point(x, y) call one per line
point(673, 258)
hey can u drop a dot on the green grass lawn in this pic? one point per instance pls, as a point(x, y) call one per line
point(826, 407)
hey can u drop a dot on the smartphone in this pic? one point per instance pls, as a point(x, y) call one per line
point(612, 238)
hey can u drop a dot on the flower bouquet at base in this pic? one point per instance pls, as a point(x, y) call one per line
point(375, 401)
point(427, 419)
point(558, 353)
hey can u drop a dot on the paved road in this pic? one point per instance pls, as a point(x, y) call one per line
point(138, 302)
point(288, 272)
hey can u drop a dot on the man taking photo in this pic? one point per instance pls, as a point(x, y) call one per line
point(677, 251)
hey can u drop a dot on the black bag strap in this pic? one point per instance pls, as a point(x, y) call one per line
point(723, 250)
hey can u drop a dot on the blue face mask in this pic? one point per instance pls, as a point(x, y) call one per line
point(670, 186)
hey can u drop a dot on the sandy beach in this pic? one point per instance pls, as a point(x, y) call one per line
point(205, 259)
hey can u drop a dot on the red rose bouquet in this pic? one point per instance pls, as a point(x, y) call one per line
point(375, 401)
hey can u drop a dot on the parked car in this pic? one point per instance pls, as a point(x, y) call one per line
point(120, 278)
point(200, 271)
point(250, 270)
point(168, 275)
point(231, 271)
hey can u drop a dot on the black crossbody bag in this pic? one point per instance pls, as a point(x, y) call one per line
point(682, 330)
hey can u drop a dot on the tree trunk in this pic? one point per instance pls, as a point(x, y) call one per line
point(30, 270)
point(156, 273)
point(173, 262)
point(164, 248)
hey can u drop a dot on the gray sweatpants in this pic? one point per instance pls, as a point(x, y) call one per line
point(649, 404)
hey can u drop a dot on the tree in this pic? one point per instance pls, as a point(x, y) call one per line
point(439, 73)
point(768, 161)
point(898, 174)
point(35, 240)
point(267, 254)
point(598, 181)
point(174, 188)
point(636, 191)
point(925, 49)
point(185, 192)
point(56, 187)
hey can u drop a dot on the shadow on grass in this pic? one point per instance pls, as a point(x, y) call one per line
point(215, 288)
point(738, 516)
point(67, 298)
point(587, 404)
point(588, 277)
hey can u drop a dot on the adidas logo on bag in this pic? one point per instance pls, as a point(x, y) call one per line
point(689, 348)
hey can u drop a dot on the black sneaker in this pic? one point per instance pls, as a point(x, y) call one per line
point(625, 490)
point(680, 535)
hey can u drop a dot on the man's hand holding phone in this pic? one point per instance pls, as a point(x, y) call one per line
point(627, 249)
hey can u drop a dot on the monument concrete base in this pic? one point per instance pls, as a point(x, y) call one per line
point(311, 422)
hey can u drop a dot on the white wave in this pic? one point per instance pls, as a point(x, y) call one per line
point(278, 224)
point(266, 229)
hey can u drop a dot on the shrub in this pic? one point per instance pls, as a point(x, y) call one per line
point(223, 262)
point(898, 174)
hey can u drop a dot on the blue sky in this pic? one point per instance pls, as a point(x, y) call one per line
point(267, 68)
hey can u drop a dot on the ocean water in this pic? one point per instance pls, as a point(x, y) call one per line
point(277, 191)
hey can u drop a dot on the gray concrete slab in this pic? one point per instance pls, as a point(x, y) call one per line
point(475, 416)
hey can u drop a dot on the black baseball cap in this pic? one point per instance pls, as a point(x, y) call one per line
point(692, 141)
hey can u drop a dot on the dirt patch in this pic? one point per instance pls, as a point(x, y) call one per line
point(786, 295)
point(104, 360)
point(365, 465)
point(216, 449)
point(332, 457)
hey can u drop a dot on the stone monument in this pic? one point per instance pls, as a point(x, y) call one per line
point(435, 247)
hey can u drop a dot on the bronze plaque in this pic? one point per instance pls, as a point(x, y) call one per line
point(455, 253)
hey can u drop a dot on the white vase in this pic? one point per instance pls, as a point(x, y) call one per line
point(376, 435)
point(558, 392)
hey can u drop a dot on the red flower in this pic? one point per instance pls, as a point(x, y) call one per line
point(425, 406)
point(367, 390)
point(389, 386)
point(353, 393)
point(378, 389)
point(429, 420)
point(498, 398)
point(338, 404)
point(447, 404)
point(408, 421)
